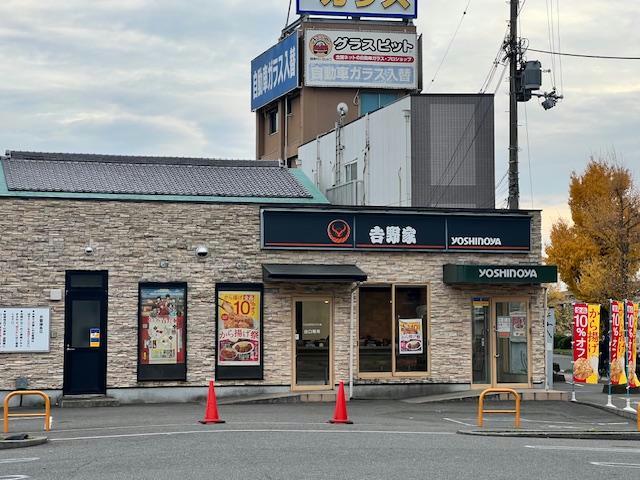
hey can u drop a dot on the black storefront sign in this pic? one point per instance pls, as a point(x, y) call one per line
point(366, 230)
point(499, 274)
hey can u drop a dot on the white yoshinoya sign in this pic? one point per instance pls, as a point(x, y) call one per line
point(508, 273)
point(341, 58)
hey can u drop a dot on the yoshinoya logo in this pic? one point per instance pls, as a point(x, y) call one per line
point(320, 45)
point(476, 242)
point(339, 231)
point(508, 273)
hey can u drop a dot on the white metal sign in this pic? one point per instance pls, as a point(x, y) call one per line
point(340, 58)
point(360, 8)
point(24, 330)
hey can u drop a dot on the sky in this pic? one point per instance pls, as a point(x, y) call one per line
point(171, 77)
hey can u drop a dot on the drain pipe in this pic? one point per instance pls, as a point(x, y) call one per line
point(352, 332)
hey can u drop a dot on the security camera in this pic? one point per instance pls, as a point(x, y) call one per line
point(88, 250)
point(202, 251)
point(549, 103)
point(342, 109)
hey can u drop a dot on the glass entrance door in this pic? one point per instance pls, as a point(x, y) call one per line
point(481, 341)
point(512, 342)
point(313, 343)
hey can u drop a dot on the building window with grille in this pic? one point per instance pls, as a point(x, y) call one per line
point(272, 121)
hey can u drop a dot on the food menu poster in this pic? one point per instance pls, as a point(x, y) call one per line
point(24, 330)
point(411, 338)
point(162, 325)
point(239, 319)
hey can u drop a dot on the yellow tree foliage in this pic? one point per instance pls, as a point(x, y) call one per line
point(598, 256)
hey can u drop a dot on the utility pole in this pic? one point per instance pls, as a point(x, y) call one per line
point(513, 48)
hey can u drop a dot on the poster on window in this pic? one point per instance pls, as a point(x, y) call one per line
point(162, 331)
point(617, 350)
point(411, 338)
point(518, 326)
point(239, 331)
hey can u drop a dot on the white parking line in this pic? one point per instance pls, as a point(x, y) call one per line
point(19, 460)
point(616, 465)
point(459, 422)
point(579, 449)
point(547, 422)
point(14, 477)
point(192, 432)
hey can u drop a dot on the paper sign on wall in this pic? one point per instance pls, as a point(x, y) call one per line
point(24, 330)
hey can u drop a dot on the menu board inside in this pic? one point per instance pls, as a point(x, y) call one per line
point(239, 331)
point(162, 331)
point(24, 330)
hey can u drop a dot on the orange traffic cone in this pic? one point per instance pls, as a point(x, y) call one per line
point(340, 414)
point(211, 412)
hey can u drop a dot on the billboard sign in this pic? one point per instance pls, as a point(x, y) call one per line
point(388, 231)
point(351, 59)
point(359, 8)
point(275, 72)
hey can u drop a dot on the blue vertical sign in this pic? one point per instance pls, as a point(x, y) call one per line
point(275, 72)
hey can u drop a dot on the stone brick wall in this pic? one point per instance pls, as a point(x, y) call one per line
point(42, 238)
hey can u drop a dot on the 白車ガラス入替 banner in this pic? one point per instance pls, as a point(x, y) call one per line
point(632, 334)
point(586, 331)
point(162, 331)
point(617, 348)
point(357, 59)
point(410, 338)
point(239, 331)
point(275, 72)
point(359, 8)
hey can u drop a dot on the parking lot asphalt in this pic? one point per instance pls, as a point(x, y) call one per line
point(388, 440)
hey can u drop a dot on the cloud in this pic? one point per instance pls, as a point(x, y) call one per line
point(172, 77)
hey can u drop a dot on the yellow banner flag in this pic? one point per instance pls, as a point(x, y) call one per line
point(593, 342)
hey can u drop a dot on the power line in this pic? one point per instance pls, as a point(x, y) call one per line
point(464, 14)
point(603, 57)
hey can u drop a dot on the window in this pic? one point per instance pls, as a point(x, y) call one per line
point(272, 121)
point(371, 101)
point(393, 322)
point(351, 171)
point(375, 329)
point(289, 105)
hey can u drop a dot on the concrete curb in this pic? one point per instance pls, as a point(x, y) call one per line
point(573, 435)
point(616, 411)
point(29, 442)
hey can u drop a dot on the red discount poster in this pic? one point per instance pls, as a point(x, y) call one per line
point(617, 348)
point(632, 334)
point(583, 371)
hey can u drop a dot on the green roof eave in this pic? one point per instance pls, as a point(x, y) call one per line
point(316, 196)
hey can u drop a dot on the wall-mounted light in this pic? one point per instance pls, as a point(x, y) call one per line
point(88, 250)
point(202, 251)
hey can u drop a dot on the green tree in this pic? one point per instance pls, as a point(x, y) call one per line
point(598, 255)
